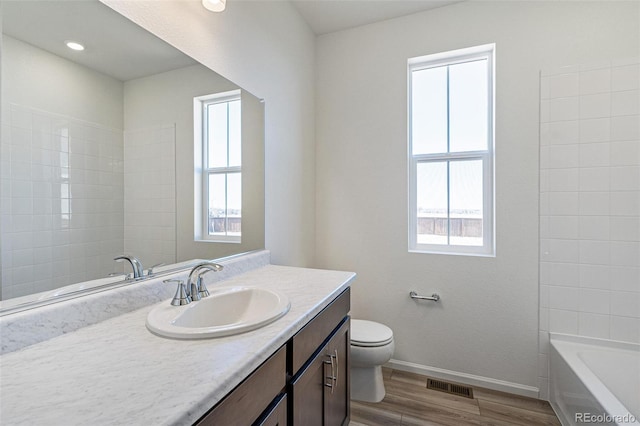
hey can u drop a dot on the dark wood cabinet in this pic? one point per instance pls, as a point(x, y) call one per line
point(320, 391)
point(307, 390)
point(276, 415)
point(307, 341)
point(336, 402)
point(304, 383)
point(248, 401)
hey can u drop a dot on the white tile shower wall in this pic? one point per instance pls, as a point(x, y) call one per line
point(149, 194)
point(589, 203)
point(62, 197)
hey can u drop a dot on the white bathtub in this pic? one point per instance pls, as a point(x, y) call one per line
point(594, 381)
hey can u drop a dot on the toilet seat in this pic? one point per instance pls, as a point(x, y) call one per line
point(370, 334)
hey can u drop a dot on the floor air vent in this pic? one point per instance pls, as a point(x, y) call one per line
point(451, 388)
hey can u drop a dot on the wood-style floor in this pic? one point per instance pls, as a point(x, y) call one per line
point(409, 402)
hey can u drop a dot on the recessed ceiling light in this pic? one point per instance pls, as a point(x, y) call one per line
point(74, 45)
point(214, 5)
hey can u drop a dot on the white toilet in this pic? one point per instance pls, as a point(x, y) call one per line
point(371, 347)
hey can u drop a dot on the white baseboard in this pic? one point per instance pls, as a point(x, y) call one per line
point(467, 379)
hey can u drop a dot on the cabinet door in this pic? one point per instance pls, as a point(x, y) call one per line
point(336, 404)
point(308, 392)
point(321, 391)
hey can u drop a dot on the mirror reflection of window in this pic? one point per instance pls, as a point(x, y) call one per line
point(222, 167)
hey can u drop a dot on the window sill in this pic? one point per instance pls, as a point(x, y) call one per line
point(452, 253)
point(238, 241)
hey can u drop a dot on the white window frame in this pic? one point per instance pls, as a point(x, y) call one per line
point(202, 171)
point(486, 156)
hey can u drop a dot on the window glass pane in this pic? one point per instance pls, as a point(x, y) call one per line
point(466, 197)
point(217, 204)
point(432, 223)
point(234, 203)
point(468, 106)
point(429, 110)
point(235, 141)
point(217, 134)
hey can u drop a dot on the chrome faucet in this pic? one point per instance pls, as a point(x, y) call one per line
point(138, 271)
point(197, 289)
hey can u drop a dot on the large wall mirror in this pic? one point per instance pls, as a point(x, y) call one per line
point(99, 152)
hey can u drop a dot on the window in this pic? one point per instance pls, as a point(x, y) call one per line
point(451, 152)
point(218, 161)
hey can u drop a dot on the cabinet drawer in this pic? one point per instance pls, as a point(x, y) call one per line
point(309, 339)
point(246, 402)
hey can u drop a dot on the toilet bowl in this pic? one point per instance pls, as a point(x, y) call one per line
point(371, 347)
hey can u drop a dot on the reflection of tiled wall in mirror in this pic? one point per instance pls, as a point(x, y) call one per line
point(150, 194)
point(62, 200)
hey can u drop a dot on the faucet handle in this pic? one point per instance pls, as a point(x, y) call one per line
point(120, 274)
point(150, 270)
point(181, 297)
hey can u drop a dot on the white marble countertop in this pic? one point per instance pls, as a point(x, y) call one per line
point(116, 372)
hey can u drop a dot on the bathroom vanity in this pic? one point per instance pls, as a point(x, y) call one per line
point(292, 371)
point(306, 380)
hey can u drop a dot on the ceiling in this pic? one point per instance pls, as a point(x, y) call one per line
point(326, 16)
point(105, 33)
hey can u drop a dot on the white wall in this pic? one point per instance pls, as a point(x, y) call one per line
point(487, 321)
point(267, 49)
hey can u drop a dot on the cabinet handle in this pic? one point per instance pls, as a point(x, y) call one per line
point(332, 377)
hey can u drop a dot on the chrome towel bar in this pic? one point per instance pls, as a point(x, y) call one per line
point(435, 297)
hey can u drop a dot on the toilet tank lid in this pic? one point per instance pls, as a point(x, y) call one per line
point(363, 331)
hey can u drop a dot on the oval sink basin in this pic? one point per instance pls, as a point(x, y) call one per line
point(227, 311)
